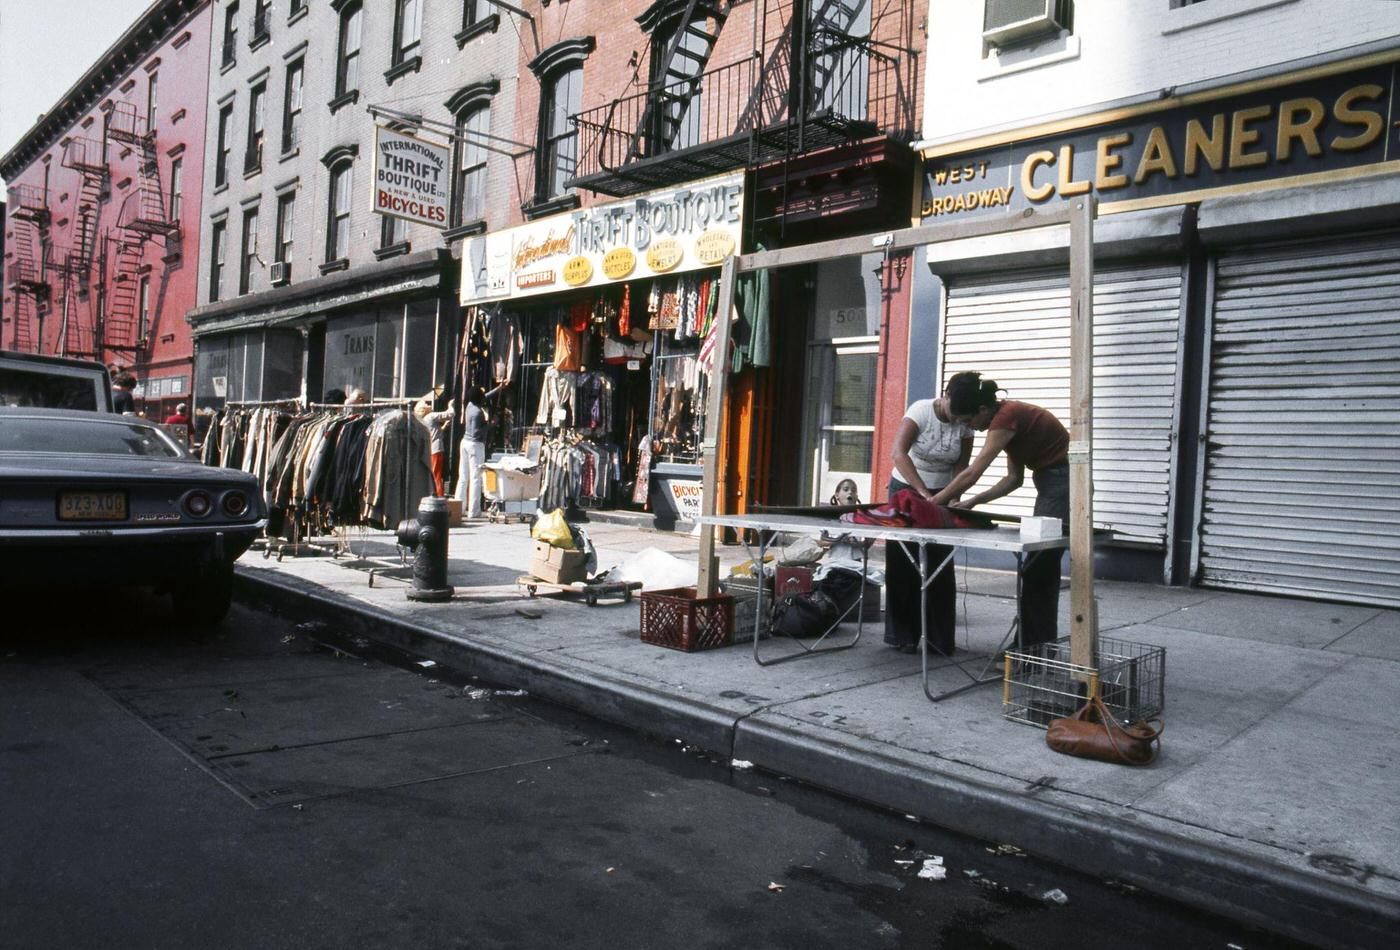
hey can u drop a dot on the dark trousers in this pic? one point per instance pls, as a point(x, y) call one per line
point(902, 594)
point(1040, 582)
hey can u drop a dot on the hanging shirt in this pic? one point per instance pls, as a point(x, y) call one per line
point(568, 349)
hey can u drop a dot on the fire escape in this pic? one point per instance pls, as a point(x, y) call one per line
point(823, 81)
point(141, 218)
point(28, 270)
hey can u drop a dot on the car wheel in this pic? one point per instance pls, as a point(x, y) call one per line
point(204, 601)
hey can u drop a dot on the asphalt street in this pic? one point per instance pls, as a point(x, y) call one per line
point(267, 785)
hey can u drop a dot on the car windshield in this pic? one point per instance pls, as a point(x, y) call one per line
point(84, 437)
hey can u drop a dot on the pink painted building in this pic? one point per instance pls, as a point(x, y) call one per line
point(101, 237)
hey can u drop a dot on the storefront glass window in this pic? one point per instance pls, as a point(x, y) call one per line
point(350, 352)
point(418, 355)
point(282, 365)
point(388, 353)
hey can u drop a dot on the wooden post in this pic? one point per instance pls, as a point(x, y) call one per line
point(714, 428)
point(1084, 628)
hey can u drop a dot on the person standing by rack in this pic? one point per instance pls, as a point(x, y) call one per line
point(476, 423)
point(437, 423)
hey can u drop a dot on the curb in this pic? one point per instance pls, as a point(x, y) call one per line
point(1198, 874)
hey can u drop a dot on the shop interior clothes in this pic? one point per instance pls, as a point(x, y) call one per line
point(610, 367)
point(578, 474)
point(327, 468)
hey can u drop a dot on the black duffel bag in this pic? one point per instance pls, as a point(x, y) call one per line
point(808, 614)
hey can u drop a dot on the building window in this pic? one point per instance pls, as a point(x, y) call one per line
point(297, 7)
point(177, 185)
point(392, 231)
point(408, 28)
point(225, 145)
point(256, 98)
point(347, 71)
point(218, 241)
point(338, 227)
point(291, 108)
point(469, 199)
point(262, 20)
point(470, 13)
point(143, 303)
point(558, 140)
point(250, 250)
point(286, 215)
point(230, 35)
point(151, 109)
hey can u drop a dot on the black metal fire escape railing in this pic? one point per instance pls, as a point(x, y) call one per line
point(748, 113)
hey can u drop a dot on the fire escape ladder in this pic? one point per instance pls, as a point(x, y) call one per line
point(26, 282)
point(828, 36)
point(85, 156)
point(676, 77)
point(120, 324)
point(142, 211)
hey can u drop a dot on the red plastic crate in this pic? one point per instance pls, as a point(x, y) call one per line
point(679, 620)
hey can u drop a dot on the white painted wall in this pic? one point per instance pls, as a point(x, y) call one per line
point(1126, 48)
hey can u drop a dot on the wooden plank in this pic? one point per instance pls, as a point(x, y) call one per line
point(905, 238)
point(1083, 617)
point(714, 428)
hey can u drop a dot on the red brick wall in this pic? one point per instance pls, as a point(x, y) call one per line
point(182, 66)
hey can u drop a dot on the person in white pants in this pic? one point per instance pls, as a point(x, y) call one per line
point(473, 458)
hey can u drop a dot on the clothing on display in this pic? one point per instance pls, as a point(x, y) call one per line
point(328, 468)
point(577, 473)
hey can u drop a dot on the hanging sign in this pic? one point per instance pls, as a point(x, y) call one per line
point(662, 232)
point(411, 178)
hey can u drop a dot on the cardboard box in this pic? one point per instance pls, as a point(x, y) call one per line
point(454, 513)
point(556, 565)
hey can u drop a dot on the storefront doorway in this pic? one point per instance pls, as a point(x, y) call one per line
point(842, 373)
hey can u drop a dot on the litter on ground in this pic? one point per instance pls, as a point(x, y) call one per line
point(933, 869)
point(741, 764)
point(1055, 896)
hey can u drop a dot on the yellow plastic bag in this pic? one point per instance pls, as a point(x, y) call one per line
point(554, 529)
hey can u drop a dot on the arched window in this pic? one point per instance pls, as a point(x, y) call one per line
point(347, 66)
point(340, 162)
point(469, 186)
point(560, 71)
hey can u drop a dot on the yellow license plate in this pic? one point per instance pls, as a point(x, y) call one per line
point(92, 506)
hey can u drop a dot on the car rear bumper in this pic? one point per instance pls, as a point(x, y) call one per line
point(135, 556)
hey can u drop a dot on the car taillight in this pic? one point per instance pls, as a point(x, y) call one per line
point(198, 504)
point(235, 504)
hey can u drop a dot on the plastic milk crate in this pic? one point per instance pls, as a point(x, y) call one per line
point(680, 620)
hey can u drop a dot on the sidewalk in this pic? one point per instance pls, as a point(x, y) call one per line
point(1276, 798)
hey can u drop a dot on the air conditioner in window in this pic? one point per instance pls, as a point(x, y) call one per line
point(1013, 22)
point(281, 273)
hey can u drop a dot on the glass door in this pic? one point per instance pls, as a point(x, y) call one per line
point(845, 417)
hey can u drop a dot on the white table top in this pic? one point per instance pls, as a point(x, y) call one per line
point(1003, 538)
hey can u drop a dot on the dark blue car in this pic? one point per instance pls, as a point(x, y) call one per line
point(110, 499)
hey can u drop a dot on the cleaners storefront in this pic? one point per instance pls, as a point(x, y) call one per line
point(593, 331)
point(1247, 321)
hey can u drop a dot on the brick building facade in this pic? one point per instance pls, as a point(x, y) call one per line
point(105, 198)
point(303, 288)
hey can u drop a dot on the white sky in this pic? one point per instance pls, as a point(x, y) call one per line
point(45, 45)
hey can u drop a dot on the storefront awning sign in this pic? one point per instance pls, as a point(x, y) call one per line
point(411, 178)
point(1316, 130)
point(664, 232)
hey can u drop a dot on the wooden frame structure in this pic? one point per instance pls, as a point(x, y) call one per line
point(1078, 215)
